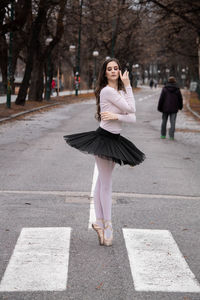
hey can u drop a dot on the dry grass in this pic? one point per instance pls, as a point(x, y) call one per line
point(194, 102)
point(192, 99)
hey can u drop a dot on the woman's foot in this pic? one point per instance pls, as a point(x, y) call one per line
point(108, 234)
point(98, 226)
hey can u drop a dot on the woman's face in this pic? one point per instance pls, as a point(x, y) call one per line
point(112, 71)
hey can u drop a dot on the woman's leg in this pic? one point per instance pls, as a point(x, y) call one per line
point(105, 168)
point(97, 204)
point(173, 123)
point(164, 124)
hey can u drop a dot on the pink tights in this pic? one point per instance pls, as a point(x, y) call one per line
point(103, 189)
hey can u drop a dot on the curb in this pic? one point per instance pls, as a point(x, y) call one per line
point(187, 104)
point(28, 111)
point(192, 111)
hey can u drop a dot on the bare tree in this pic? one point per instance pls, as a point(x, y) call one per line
point(174, 31)
point(34, 46)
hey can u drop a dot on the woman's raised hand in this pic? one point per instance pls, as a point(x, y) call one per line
point(125, 78)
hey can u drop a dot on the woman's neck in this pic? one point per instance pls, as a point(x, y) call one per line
point(113, 84)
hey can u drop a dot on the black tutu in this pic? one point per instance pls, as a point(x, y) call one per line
point(106, 145)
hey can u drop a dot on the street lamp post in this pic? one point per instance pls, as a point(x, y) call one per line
point(158, 76)
point(95, 54)
point(77, 74)
point(48, 82)
point(10, 60)
point(183, 77)
point(72, 50)
point(135, 72)
point(198, 43)
point(167, 72)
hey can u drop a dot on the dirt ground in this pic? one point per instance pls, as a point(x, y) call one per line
point(15, 109)
point(195, 102)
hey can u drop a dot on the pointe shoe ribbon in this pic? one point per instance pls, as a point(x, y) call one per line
point(108, 241)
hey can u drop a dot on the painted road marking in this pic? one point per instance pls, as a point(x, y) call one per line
point(157, 263)
point(92, 216)
point(147, 97)
point(39, 261)
point(114, 194)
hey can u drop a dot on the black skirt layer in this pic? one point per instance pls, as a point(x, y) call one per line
point(106, 145)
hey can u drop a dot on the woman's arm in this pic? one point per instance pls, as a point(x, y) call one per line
point(126, 104)
point(129, 96)
point(180, 100)
point(128, 118)
point(161, 100)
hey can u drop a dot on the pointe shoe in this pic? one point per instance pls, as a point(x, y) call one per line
point(99, 232)
point(108, 241)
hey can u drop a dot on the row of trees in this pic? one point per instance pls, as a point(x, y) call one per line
point(172, 35)
point(156, 34)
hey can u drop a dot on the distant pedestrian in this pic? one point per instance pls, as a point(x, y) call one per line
point(115, 104)
point(53, 85)
point(155, 83)
point(151, 83)
point(169, 103)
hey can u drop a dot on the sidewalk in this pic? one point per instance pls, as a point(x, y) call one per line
point(64, 93)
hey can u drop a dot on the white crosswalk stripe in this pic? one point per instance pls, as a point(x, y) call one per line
point(39, 261)
point(157, 263)
point(41, 257)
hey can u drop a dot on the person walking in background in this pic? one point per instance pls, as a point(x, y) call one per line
point(115, 104)
point(170, 102)
point(151, 83)
point(53, 85)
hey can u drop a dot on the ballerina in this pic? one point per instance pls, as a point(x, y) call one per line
point(115, 104)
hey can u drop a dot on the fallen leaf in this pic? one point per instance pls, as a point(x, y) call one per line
point(99, 286)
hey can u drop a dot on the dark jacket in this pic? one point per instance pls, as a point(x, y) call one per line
point(170, 99)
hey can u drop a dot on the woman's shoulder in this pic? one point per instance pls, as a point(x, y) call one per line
point(107, 90)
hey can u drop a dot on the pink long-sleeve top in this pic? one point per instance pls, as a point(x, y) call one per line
point(120, 103)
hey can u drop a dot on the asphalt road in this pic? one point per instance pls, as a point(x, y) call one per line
point(45, 183)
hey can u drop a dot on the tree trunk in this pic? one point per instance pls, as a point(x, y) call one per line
point(35, 31)
point(3, 62)
point(37, 81)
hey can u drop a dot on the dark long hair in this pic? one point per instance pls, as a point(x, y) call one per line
point(102, 82)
